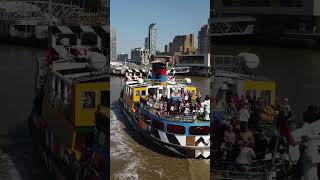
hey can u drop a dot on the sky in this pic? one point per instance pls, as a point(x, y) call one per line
point(131, 19)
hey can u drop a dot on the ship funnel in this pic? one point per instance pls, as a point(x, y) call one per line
point(159, 72)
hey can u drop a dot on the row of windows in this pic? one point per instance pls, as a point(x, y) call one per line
point(177, 129)
point(265, 96)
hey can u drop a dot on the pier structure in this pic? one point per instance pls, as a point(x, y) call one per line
point(25, 19)
point(277, 18)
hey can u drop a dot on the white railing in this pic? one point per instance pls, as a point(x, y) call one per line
point(179, 118)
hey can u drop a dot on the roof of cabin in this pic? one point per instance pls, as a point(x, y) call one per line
point(79, 72)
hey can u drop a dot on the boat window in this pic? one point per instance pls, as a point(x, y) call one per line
point(176, 129)
point(199, 130)
point(160, 91)
point(158, 125)
point(251, 93)
point(105, 98)
point(137, 92)
point(265, 97)
point(89, 38)
point(143, 93)
point(88, 99)
point(152, 91)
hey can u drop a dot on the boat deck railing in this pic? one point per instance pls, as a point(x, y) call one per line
point(230, 170)
point(191, 118)
point(59, 102)
point(158, 82)
point(228, 63)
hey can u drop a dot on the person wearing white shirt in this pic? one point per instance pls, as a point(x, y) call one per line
point(244, 116)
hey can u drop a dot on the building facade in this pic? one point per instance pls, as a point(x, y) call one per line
point(203, 40)
point(140, 56)
point(182, 44)
point(152, 38)
point(166, 49)
point(146, 43)
point(113, 45)
point(193, 60)
point(123, 57)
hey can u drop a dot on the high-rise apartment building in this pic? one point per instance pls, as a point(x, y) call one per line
point(152, 38)
point(146, 42)
point(113, 45)
point(203, 40)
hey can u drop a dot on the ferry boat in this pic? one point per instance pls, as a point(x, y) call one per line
point(146, 101)
point(70, 119)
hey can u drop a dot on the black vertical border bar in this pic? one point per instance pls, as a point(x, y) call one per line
point(211, 51)
point(104, 16)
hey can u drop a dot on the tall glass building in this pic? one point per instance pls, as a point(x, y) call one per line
point(113, 45)
point(152, 37)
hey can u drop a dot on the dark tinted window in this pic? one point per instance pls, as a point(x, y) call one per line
point(176, 129)
point(158, 125)
point(90, 39)
point(199, 130)
point(105, 98)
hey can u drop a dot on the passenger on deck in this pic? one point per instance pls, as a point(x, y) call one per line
point(246, 155)
point(255, 113)
point(244, 116)
point(248, 136)
point(309, 114)
point(229, 135)
point(187, 110)
point(101, 118)
point(236, 100)
point(231, 111)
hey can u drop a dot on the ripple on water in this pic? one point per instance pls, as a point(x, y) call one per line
point(121, 153)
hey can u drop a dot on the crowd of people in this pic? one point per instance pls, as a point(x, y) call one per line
point(236, 136)
point(183, 103)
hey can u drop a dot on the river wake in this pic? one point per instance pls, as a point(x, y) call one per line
point(120, 151)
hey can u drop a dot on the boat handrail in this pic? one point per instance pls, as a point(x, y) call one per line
point(58, 101)
point(157, 81)
point(259, 167)
point(178, 118)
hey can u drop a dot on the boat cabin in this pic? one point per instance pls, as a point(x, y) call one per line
point(71, 96)
point(245, 86)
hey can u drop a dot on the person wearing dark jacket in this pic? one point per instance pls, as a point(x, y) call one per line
point(101, 118)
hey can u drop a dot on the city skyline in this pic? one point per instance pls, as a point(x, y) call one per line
point(172, 18)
